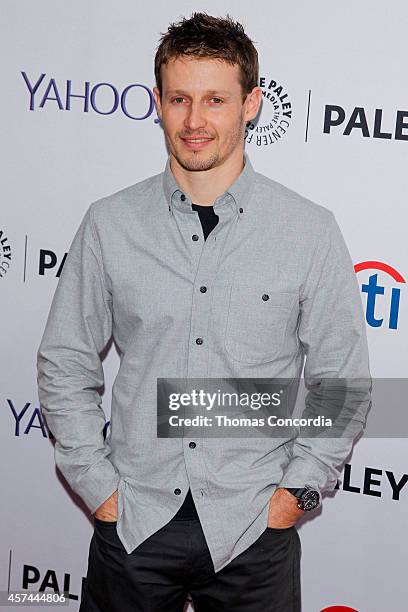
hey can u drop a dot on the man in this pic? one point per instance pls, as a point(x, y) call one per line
point(206, 270)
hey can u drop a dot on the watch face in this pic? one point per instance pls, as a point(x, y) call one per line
point(310, 500)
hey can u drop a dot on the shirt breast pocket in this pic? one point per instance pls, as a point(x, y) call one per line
point(256, 322)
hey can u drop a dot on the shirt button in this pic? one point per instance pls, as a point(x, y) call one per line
point(194, 237)
point(177, 491)
point(241, 210)
point(192, 445)
point(265, 297)
point(203, 289)
point(182, 197)
point(199, 340)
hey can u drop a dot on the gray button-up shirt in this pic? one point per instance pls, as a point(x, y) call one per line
point(134, 270)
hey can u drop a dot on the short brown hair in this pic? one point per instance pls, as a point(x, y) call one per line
point(209, 37)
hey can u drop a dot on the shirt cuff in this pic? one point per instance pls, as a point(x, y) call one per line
point(301, 472)
point(97, 484)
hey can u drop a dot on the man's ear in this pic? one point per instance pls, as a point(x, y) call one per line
point(253, 103)
point(157, 102)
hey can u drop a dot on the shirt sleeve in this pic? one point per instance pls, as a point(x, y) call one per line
point(332, 333)
point(70, 372)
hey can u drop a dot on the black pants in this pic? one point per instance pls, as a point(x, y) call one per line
point(175, 561)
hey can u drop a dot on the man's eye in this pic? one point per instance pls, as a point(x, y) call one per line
point(217, 100)
point(177, 99)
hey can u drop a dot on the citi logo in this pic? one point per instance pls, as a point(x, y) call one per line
point(135, 101)
point(381, 299)
point(339, 609)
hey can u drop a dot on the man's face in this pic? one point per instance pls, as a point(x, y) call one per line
point(202, 112)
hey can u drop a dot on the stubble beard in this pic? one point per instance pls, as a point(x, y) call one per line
point(196, 162)
point(199, 161)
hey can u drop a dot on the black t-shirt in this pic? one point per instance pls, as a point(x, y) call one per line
point(207, 216)
point(208, 220)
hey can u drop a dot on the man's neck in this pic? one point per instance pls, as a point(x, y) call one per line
point(206, 186)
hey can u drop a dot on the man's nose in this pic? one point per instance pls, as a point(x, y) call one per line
point(195, 117)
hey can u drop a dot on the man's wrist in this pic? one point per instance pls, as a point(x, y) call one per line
point(283, 510)
point(109, 508)
point(308, 498)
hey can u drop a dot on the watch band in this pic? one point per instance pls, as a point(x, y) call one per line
point(296, 492)
point(308, 497)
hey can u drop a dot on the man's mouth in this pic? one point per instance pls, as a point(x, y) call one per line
point(197, 142)
point(197, 139)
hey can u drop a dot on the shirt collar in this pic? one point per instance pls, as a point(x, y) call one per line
point(237, 194)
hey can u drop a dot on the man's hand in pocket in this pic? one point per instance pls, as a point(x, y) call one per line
point(108, 511)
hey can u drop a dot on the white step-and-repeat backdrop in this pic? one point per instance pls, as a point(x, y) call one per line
point(79, 123)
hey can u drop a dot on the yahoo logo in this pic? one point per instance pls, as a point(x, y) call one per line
point(44, 91)
point(373, 289)
point(29, 419)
